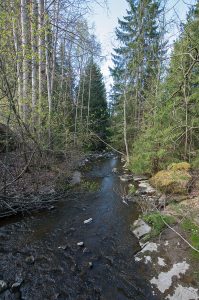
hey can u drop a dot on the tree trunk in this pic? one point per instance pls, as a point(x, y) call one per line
point(25, 60)
point(49, 91)
point(125, 127)
point(54, 46)
point(40, 57)
point(33, 60)
point(18, 63)
point(89, 99)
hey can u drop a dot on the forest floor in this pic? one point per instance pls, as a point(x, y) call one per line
point(39, 175)
point(31, 182)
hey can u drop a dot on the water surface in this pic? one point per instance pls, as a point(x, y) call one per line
point(41, 251)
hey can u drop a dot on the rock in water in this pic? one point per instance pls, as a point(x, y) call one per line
point(3, 286)
point(63, 247)
point(88, 221)
point(90, 264)
point(114, 170)
point(30, 259)
point(80, 244)
point(126, 178)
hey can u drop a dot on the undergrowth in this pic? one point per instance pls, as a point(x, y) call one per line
point(193, 231)
point(155, 220)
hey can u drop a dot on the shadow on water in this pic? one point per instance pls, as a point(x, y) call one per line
point(41, 251)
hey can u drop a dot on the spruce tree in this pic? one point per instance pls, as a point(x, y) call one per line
point(95, 109)
point(136, 63)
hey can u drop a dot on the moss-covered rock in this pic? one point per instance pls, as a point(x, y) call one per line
point(174, 180)
point(179, 166)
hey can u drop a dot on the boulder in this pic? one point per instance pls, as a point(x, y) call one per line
point(179, 166)
point(146, 188)
point(174, 180)
point(140, 228)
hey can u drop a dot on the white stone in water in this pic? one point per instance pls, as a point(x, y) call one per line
point(166, 243)
point(164, 280)
point(88, 221)
point(161, 262)
point(90, 264)
point(80, 244)
point(151, 247)
point(140, 228)
point(3, 286)
point(16, 285)
point(138, 258)
point(184, 293)
point(63, 247)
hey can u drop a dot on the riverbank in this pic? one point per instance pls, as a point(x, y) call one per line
point(42, 182)
point(167, 231)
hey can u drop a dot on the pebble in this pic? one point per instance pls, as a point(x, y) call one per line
point(62, 247)
point(16, 285)
point(90, 264)
point(88, 221)
point(80, 244)
point(30, 259)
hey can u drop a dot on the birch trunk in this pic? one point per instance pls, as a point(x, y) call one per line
point(40, 57)
point(18, 63)
point(55, 34)
point(49, 91)
point(25, 60)
point(33, 60)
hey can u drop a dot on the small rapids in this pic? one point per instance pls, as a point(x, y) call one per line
point(40, 257)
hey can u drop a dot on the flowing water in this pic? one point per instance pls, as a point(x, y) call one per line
point(41, 254)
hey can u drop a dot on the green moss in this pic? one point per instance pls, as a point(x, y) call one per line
point(171, 181)
point(155, 220)
point(89, 186)
point(179, 166)
point(193, 230)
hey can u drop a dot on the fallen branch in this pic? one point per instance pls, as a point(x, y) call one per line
point(19, 176)
point(92, 133)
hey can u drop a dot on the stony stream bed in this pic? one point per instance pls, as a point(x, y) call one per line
point(40, 257)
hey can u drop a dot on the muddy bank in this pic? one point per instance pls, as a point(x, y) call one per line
point(55, 255)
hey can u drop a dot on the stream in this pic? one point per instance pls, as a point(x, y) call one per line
point(40, 258)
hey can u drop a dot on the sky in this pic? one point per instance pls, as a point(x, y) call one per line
point(106, 20)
